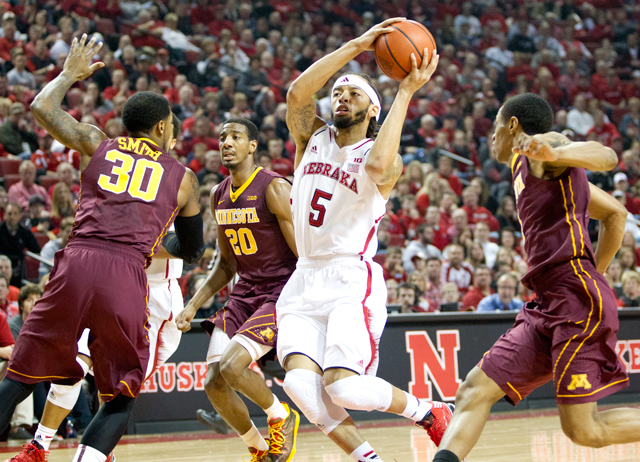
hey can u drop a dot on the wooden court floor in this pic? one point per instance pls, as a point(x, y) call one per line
point(528, 437)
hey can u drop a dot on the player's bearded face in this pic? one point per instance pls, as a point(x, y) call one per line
point(347, 121)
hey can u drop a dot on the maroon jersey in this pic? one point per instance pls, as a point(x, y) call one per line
point(554, 217)
point(252, 231)
point(129, 194)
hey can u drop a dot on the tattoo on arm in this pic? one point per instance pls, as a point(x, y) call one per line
point(195, 185)
point(558, 140)
point(301, 119)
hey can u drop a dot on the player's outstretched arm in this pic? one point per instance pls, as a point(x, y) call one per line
point(301, 107)
point(84, 138)
point(384, 164)
point(278, 194)
point(557, 151)
point(223, 271)
point(187, 242)
point(613, 217)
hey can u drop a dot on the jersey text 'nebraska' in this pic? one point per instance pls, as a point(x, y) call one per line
point(237, 216)
point(321, 168)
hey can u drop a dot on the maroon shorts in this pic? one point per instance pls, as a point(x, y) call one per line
point(568, 334)
point(97, 285)
point(249, 312)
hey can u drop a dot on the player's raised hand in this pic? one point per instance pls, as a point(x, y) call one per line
point(366, 41)
point(420, 75)
point(183, 320)
point(78, 63)
point(535, 148)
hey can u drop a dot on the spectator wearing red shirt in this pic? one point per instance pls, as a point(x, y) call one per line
point(6, 344)
point(162, 70)
point(583, 87)
point(632, 89)
point(427, 132)
point(42, 158)
point(219, 22)
point(280, 165)
point(8, 42)
point(87, 107)
point(605, 132)
point(480, 289)
point(202, 133)
point(457, 270)
point(445, 170)
point(475, 213)
point(434, 218)
point(7, 308)
point(148, 32)
point(108, 8)
point(392, 268)
point(493, 18)
point(119, 86)
point(203, 13)
point(409, 216)
point(611, 95)
point(545, 85)
point(621, 185)
point(198, 161)
point(521, 67)
point(115, 113)
point(481, 123)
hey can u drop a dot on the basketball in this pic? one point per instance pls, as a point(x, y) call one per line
point(393, 50)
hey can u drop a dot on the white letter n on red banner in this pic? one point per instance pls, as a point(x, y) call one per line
point(425, 361)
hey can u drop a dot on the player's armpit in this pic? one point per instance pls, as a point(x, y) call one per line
point(613, 218)
point(278, 202)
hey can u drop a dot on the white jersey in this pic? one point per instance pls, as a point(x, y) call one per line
point(336, 205)
point(161, 270)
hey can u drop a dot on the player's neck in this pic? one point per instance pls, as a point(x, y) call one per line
point(241, 173)
point(351, 135)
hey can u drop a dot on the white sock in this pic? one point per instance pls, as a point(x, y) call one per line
point(44, 436)
point(254, 439)
point(276, 410)
point(88, 454)
point(363, 453)
point(416, 408)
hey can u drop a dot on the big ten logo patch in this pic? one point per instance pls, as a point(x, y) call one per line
point(187, 376)
point(431, 365)
point(629, 353)
point(579, 381)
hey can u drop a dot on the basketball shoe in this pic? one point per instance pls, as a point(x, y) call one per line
point(111, 458)
point(437, 420)
point(257, 455)
point(282, 436)
point(31, 452)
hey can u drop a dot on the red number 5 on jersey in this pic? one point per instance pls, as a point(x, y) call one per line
point(319, 219)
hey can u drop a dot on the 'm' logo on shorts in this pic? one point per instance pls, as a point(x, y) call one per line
point(579, 381)
point(268, 334)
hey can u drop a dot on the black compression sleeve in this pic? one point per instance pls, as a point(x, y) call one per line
point(187, 242)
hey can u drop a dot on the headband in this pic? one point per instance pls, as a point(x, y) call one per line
point(362, 84)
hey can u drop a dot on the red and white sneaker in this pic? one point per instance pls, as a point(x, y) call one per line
point(437, 420)
point(31, 452)
point(111, 458)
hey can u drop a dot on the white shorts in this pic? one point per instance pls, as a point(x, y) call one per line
point(220, 341)
point(334, 312)
point(165, 303)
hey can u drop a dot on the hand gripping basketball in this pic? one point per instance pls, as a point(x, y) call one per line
point(367, 40)
point(535, 149)
point(419, 75)
point(78, 63)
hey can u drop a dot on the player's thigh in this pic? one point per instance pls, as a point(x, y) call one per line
point(301, 334)
point(519, 361)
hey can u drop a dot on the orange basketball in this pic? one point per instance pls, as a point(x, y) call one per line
point(393, 50)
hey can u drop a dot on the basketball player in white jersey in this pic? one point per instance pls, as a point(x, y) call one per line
point(165, 303)
point(331, 313)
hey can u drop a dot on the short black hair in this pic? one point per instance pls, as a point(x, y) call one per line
point(26, 291)
point(143, 111)
point(252, 130)
point(177, 126)
point(534, 114)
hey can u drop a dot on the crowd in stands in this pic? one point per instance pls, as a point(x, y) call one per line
point(451, 240)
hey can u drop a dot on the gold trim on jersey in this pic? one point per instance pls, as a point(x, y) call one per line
point(235, 195)
point(513, 160)
point(150, 141)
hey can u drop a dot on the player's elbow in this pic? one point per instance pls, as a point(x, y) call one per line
point(379, 174)
point(295, 92)
point(610, 159)
point(37, 106)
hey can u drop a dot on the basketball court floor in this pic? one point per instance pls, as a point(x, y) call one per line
point(513, 437)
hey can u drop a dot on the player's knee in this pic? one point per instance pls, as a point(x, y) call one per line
point(302, 393)
point(588, 434)
point(214, 382)
point(232, 372)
